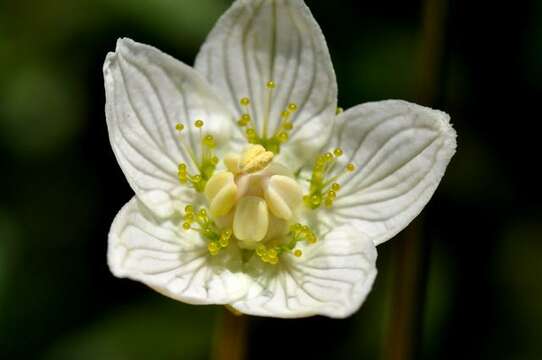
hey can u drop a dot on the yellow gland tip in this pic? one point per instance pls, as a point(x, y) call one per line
point(179, 127)
point(199, 124)
point(209, 141)
point(244, 101)
point(298, 253)
point(323, 185)
point(283, 137)
point(244, 120)
point(270, 84)
point(292, 107)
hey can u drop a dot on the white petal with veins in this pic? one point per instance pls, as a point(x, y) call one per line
point(331, 278)
point(401, 151)
point(148, 93)
point(172, 261)
point(261, 40)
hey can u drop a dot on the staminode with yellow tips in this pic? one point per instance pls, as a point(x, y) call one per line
point(253, 189)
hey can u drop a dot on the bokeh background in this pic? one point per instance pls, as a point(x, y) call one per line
point(61, 186)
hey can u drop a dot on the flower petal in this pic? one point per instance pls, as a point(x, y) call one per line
point(401, 151)
point(331, 278)
point(261, 40)
point(172, 261)
point(148, 93)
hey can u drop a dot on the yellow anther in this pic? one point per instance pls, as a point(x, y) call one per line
point(285, 114)
point(338, 152)
point(287, 125)
point(270, 85)
point(221, 192)
point(179, 127)
point(251, 219)
point(350, 167)
point(331, 194)
point(199, 124)
point(292, 107)
point(339, 110)
point(335, 186)
point(298, 253)
point(186, 225)
point(189, 208)
point(328, 156)
point(245, 101)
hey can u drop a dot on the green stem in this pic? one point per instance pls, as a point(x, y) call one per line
point(230, 338)
point(411, 252)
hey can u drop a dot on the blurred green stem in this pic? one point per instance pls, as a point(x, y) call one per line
point(230, 338)
point(411, 252)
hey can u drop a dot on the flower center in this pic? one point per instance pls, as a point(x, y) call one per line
point(254, 194)
point(254, 202)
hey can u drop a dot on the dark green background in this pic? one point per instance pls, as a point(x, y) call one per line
point(61, 186)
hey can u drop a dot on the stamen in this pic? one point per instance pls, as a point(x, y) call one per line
point(282, 133)
point(218, 239)
point(205, 165)
point(323, 187)
point(270, 254)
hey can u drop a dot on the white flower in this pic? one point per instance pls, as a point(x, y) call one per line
point(251, 188)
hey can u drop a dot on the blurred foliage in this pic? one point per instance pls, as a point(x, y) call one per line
point(62, 186)
point(158, 329)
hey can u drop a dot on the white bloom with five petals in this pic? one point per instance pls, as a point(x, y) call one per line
point(251, 188)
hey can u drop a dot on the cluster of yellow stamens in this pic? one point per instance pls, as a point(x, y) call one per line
point(218, 239)
point(206, 163)
point(270, 254)
point(322, 190)
point(323, 187)
point(281, 135)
